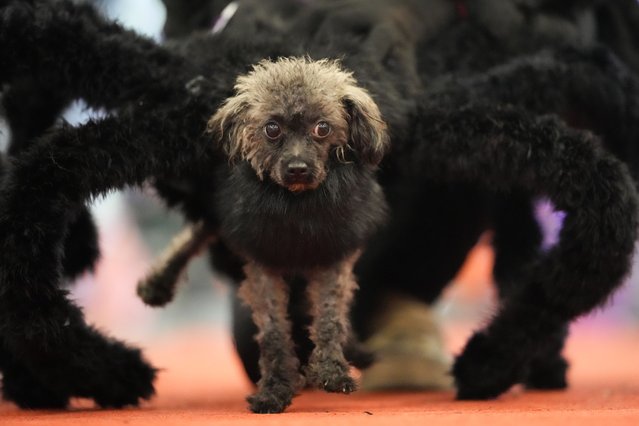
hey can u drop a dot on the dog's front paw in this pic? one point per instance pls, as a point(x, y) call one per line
point(485, 369)
point(331, 377)
point(342, 383)
point(267, 401)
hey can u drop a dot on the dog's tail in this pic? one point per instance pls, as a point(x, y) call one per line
point(158, 288)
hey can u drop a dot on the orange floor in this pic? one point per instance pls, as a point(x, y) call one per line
point(202, 384)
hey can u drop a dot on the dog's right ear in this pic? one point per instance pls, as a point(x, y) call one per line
point(226, 128)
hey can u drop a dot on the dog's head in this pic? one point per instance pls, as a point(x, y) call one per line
point(289, 118)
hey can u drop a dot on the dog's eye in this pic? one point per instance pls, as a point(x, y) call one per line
point(321, 129)
point(272, 130)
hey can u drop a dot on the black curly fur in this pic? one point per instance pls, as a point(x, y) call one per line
point(462, 136)
point(540, 156)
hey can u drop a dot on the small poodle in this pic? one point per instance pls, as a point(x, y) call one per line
point(299, 199)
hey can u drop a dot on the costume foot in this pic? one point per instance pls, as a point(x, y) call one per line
point(37, 399)
point(485, 371)
point(89, 365)
point(131, 380)
point(548, 374)
point(19, 387)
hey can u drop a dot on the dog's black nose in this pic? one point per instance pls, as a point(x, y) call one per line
point(297, 170)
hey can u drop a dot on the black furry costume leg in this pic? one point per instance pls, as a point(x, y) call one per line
point(507, 149)
point(517, 242)
point(32, 106)
point(38, 324)
point(594, 91)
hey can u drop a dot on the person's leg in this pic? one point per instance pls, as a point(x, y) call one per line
point(401, 275)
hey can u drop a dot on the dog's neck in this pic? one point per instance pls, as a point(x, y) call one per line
point(269, 224)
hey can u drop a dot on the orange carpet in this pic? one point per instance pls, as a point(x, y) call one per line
point(202, 384)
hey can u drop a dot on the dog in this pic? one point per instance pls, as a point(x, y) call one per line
point(299, 199)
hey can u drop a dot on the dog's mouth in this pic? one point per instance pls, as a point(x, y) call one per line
point(297, 184)
point(301, 187)
point(298, 176)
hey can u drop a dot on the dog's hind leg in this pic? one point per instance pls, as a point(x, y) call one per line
point(268, 295)
point(158, 287)
point(331, 292)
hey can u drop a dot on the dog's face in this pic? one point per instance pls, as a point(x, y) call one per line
point(290, 117)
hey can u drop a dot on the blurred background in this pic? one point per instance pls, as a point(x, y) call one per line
point(135, 227)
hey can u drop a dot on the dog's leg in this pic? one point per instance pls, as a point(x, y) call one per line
point(331, 292)
point(244, 330)
point(158, 287)
point(267, 295)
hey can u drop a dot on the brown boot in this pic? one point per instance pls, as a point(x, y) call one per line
point(409, 349)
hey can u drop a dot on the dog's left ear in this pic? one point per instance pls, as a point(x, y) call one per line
point(368, 132)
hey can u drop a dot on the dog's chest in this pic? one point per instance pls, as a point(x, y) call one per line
point(278, 229)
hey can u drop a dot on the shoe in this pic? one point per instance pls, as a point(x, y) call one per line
point(409, 350)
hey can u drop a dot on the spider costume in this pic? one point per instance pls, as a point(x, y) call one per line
point(494, 124)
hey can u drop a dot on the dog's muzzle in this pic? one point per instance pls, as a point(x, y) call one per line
point(298, 176)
